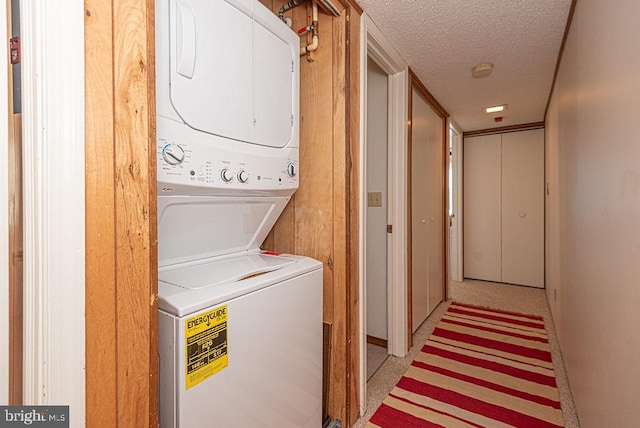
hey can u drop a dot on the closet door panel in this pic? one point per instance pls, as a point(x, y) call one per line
point(436, 201)
point(419, 211)
point(523, 208)
point(482, 208)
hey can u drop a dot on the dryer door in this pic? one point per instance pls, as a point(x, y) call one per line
point(233, 70)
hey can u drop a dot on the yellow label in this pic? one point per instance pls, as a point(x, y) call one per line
point(205, 345)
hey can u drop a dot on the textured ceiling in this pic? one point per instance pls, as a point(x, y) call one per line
point(442, 40)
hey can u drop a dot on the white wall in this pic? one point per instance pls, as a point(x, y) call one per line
point(4, 222)
point(377, 133)
point(593, 224)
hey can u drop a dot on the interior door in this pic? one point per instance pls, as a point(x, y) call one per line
point(482, 208)
point(504, 208)
point(435, 186)
point(523, 208)
point(420, 213)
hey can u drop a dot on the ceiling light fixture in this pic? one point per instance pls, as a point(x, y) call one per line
point(482, 70)
point(496, 109)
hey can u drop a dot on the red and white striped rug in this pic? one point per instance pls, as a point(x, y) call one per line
point(480, 368)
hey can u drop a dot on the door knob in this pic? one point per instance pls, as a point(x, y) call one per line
point(423, 221)
point(522, 214)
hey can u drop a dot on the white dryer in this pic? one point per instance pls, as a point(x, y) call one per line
point(240, 330)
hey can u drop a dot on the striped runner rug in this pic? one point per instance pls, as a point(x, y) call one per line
point(480, 368)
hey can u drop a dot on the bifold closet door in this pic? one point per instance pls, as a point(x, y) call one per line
point(504, 208)
point(419, 211)
point(427, 198)
point(523, 208)
point(482, 208)
point(435, 187)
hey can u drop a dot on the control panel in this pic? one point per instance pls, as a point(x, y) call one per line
point(213, 170)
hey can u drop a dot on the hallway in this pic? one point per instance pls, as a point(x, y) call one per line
point(524, 300)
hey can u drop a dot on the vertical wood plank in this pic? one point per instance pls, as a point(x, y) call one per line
point(135, 204)
point(353, 239)
point(15, 240)
point(121, 272)
point(15, 258)
point(340, 216)
point(101, 398)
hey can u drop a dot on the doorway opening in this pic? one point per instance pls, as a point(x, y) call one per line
point(376, 215)
point(375, 46)
point(455, 207)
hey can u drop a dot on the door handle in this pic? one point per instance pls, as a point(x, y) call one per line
point(186, 41)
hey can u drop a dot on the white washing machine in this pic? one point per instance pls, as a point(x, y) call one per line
point(240, 330)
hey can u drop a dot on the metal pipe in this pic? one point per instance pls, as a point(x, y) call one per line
point(314, 28)
point(290, 5)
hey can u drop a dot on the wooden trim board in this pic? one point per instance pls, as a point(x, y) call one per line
point(377, 341)
point(424, 92)
point(121, 236)
point(353, 71)
point(560, 53)
point(503, 129)
point(409, 208)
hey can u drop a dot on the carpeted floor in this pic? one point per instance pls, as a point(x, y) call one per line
point(499, 296)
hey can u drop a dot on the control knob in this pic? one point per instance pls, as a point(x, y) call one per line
point(226, 175)
point(243, 176)
point(173, 154)
point(291, 169)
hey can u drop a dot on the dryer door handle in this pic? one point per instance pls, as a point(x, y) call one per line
point(186, 41)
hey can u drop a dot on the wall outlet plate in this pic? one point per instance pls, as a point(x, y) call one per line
point(374, 199)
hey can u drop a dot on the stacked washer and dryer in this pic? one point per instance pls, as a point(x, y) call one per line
point(240, 330)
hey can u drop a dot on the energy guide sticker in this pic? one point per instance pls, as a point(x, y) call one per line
point(206, 345)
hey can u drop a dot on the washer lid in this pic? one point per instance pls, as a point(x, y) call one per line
point(194, 228)
point(216, 272)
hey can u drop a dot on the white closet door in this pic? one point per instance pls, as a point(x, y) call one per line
point(427, 205)
point(435, 187)
point(482, 213)
point(419, 211)
point(523, 208)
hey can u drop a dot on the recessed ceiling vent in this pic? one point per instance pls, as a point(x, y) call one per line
point(482, 70)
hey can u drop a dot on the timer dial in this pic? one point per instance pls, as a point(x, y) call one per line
point(173, 154)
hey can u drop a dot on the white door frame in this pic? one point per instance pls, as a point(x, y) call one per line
point(54, 209)
point(4, 216)
point(375, 45)
point(456, 253)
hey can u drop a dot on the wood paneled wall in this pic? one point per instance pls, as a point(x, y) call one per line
point(16, 241)
point(121, 238)
point(321, 220)
point(15, 259)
